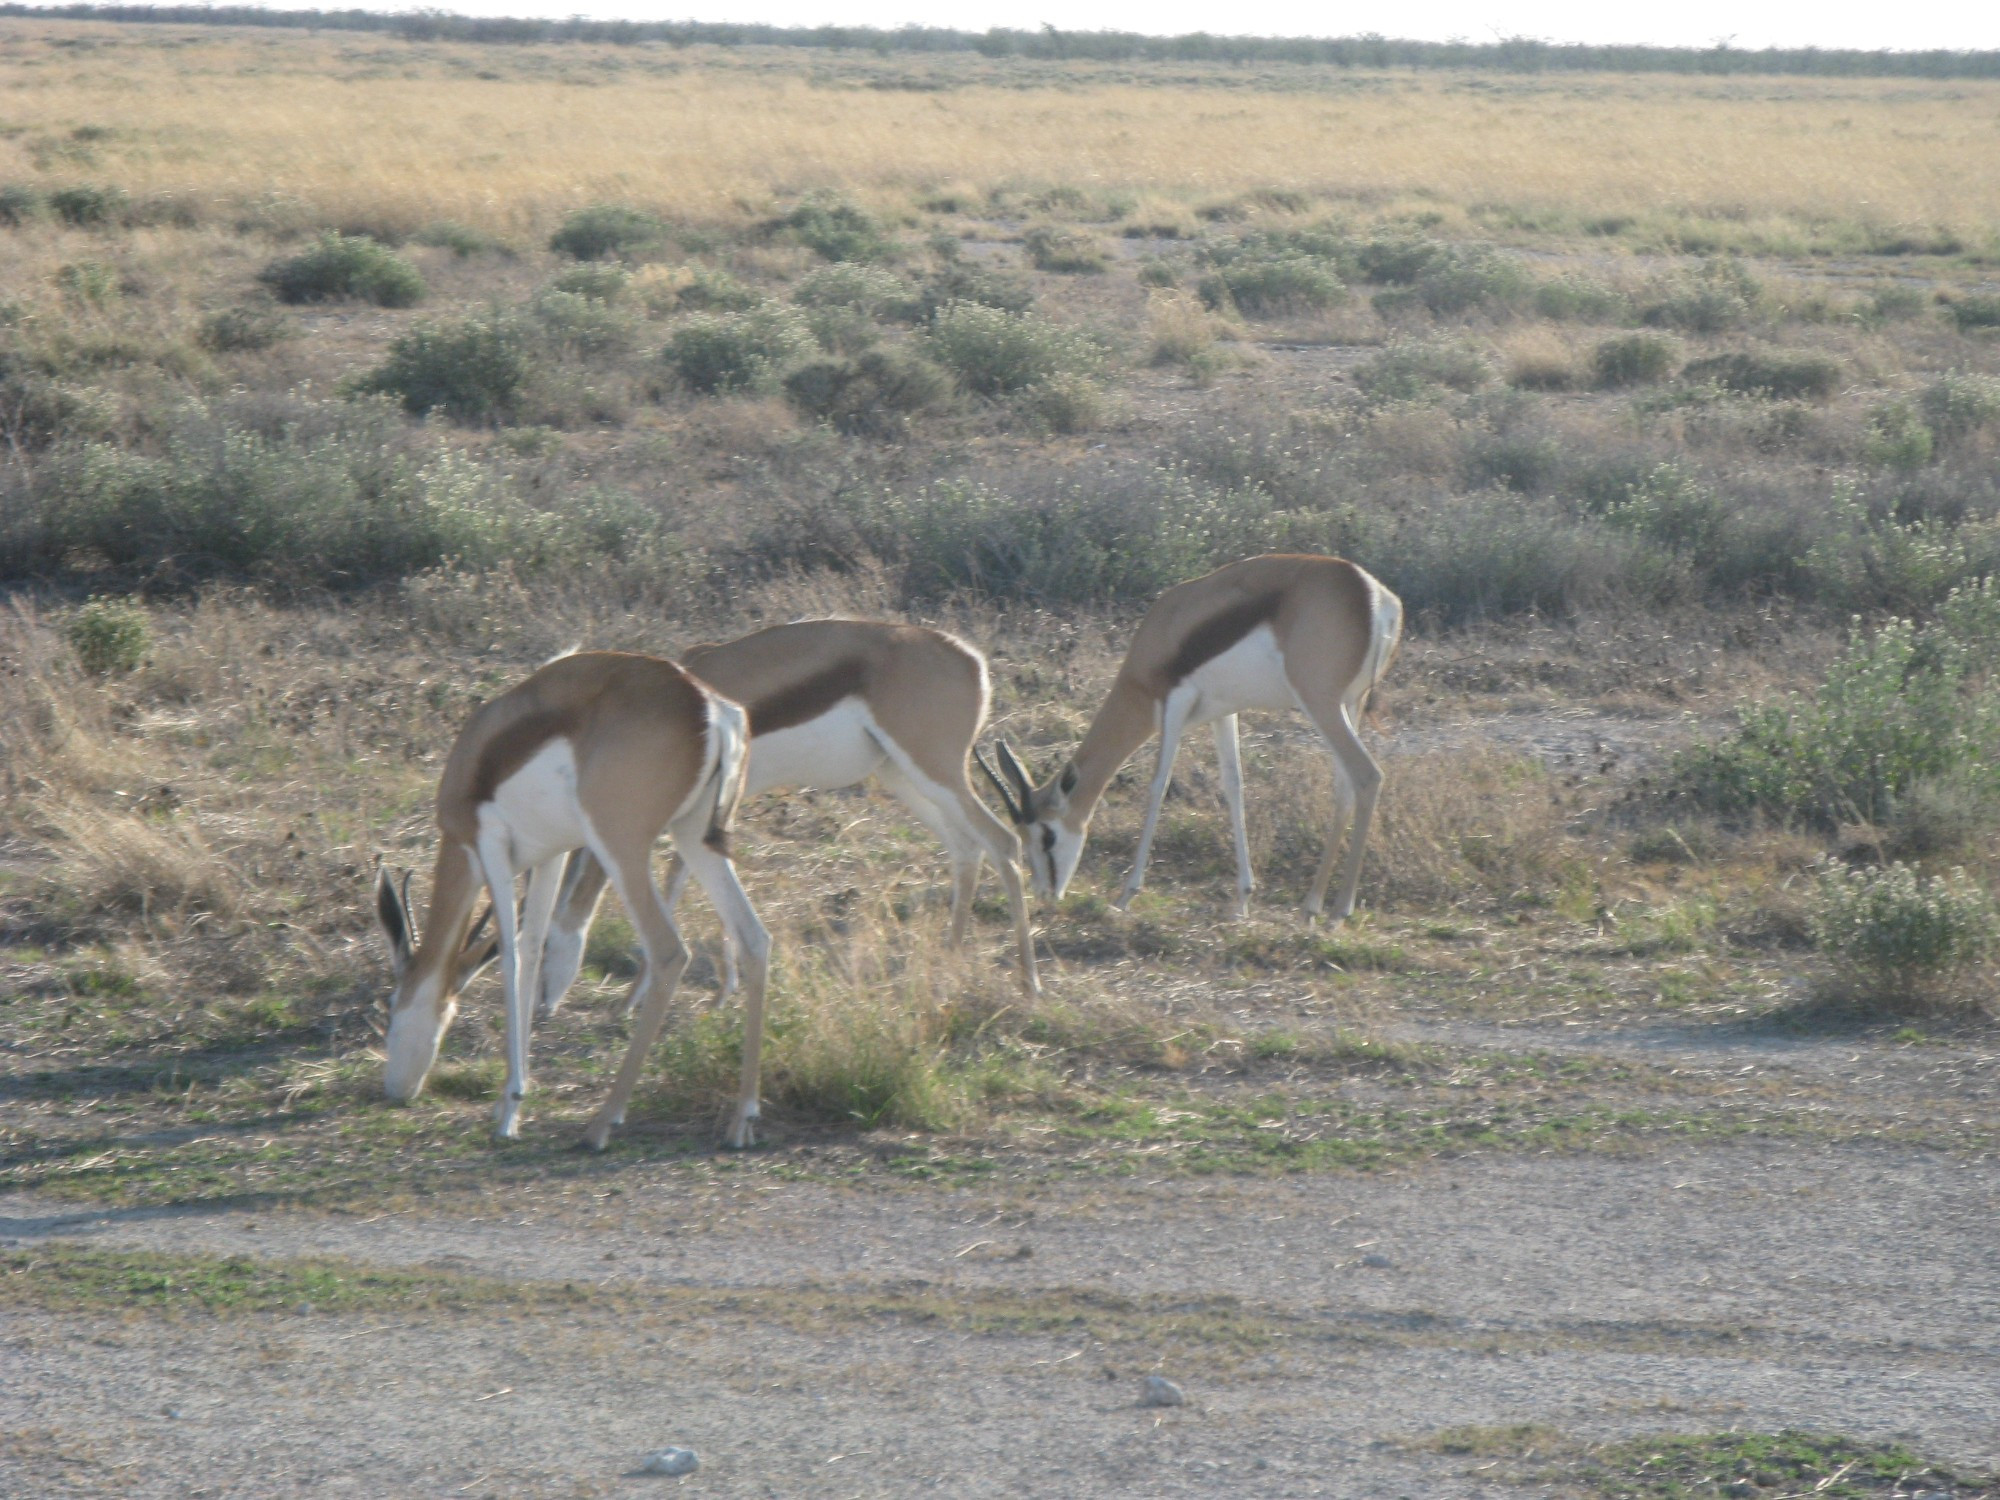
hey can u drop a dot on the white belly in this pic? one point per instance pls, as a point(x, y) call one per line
point(1249, 675)
point(834, 750)
point(537, 807)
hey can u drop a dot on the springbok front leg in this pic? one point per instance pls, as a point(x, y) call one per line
point(1173, 721)
point(1229, 763)
point(666, 959)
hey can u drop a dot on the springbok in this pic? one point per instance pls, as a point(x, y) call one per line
point(831, 703)
point(601, 751)
point(1273, 632)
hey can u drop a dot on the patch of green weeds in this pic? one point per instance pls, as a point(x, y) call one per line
point(1824, 1466)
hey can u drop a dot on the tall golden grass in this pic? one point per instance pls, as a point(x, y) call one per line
point(394, 134)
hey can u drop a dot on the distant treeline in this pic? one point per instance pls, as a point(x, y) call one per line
point(1514, 55)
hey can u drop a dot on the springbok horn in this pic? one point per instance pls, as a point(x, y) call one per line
point(409, 915)
point(1015, 774)
point(1015, 810)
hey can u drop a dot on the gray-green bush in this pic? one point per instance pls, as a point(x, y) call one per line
point(338, 266)
point(1634, 359)
point(1895, 938)
point(714, 353)
point(607, 229)
point(471, 369)
point(994, 352)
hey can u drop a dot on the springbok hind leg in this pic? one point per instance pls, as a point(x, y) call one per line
point(666, 958)
point(1357, 783)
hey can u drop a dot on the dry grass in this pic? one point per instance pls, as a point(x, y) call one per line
point(303, 130)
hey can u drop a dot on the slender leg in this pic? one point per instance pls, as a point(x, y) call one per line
point(500, 888)
point(576, 908)
point(666, 958)
point(1357, 779)
point(544, 888)
point(739, 919)
point(1172, 722)
point(1230, 764)
point(1003, 847)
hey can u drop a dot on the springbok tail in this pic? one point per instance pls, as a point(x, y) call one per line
point(731, 726)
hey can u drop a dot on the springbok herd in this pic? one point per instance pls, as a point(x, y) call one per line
point(573, 775)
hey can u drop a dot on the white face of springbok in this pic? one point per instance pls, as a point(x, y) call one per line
point(1051, 842)
point(425, 998)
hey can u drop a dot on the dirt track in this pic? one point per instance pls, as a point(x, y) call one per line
point(1757, 1286)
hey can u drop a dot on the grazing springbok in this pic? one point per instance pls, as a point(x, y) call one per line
point(1274, 632)
point(831, 703)
point(601, 751)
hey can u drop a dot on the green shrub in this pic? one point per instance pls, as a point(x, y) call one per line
point(234, 330)
point(836, 230)
point(21, 205)
point(1065, 403)
point(1898, 436)
point(1458, 280)
point(600, 281)
point(1897, 938)
point(994, 352)
point(1974, 310)
point(86, 206)
point(1412, 371)
point(1892, 302)
point(1957, 406)
point(745, 351)
point(1719, 296)
point(873, 291)
point(1054, 247)
point(471, 369)
point(89, 283)
point(1780, 374)
point(1581, 299)
point(1634, 359)
point(607, 229)
point(109, 636)
point(1158, 273)
point(461, 240)
point(341, 265)
point(710, 290)
point(574, 326)
point(1900, 707)
point(1399, 260)
point(873, 394)
point(1275, 286)
point(1497, 554)
point(968, 282)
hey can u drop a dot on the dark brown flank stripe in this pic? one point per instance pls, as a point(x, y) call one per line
point(1218, 633)
point(806, 700)
point(512, 748)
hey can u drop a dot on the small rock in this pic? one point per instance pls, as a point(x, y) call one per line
point(1160, 1391)
point(671, 1461)
point(303, 1309)
point(173, 1414)
point(1377, 1262)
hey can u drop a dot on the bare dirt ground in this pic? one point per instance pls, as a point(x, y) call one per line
point(883, 1338)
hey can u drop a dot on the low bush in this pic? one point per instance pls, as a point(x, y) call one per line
point(1060, 248)
point(588, 329)
point(87, 206)
point(872, 395)
point(607, 229)
point(1893, 302)
point(20, 205)
point(713, 353)
point(1899, 940)
point(965, 282)
point(1273, 286)
point(711, 290)
point(235, 330)
point(1496, 554)
point(1581, 299)
point(1064, 403)
point(1903, 705)
point(462, 240)
point(1955, 407)
point(471, 369)
point(1413, 371)
point(1634, 359)
point(339, 266)
point(1720, 295)
point(873, 291)
point(89, 283)
point(600, 281)
point(1399, 260)
point(1897, 436)
point(109, 636)
point(836, 230)
point(1972, 311)
point(994, 352)
point(1779, 374)
point(1458, 280)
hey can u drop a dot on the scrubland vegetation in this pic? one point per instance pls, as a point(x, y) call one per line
point(344, 378)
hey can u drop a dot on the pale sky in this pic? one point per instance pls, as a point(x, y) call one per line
point(1909, 26)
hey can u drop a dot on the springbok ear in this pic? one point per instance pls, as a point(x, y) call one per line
point(1068, 782)
point(392, 913)
point(1015, 810)
point(476, 954)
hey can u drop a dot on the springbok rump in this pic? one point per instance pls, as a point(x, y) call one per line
point(1273, 632)
point(831, 703)
point(600, 751)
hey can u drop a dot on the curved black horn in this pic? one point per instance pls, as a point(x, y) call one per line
point(1018, 811)
point(1015, 774)
point(407, 913)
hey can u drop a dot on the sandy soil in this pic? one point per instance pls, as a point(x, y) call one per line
point(1758, 1286)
